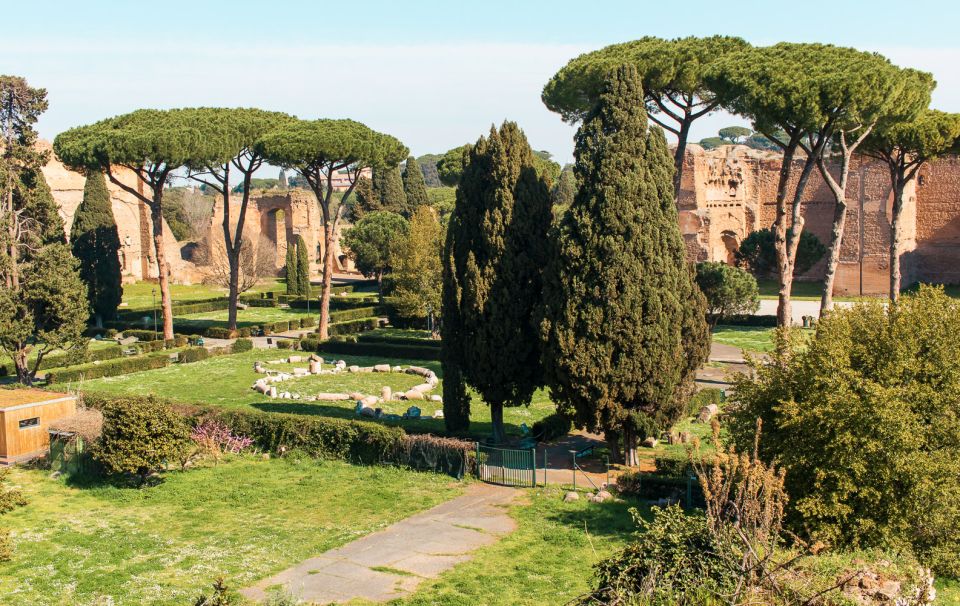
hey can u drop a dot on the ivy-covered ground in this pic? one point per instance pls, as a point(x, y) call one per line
point(244, 519)
point(227, 380)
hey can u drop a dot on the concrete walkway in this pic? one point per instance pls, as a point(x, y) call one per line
point(391, 563)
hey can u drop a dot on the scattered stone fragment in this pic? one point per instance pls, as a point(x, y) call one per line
point(381, 368)
point(650, 442)
point(294, 359)
point(437, 414)
point(571, 496)
point(315, 367)
point(707, 413)
point(353, 368)
point(436, 398)
point(386, 393)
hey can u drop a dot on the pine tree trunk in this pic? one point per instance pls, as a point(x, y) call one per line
point(327, 280)
point(784, 273)
point(22, 365)
point(678, 156)
point(895, 236)
point(166, 304)
point(613, 443)
point(496, 419)
point(833, 258)
point(234, 296)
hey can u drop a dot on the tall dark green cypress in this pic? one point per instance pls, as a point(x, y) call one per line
point(414, 186)
point(388, 185)
point(96, 244)
point(290, 269)
point(303, 268)
point(624, 326)
point(496, 247)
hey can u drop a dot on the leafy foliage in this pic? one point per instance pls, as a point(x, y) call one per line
point(624, 325)
point(564, 191)
point(865, 420)
point(303, 267)
point(372, 242)
point(729, 290)
point(140, 436)
point(494, 257)
point(290, 270)
point(413, 186)
point(10, 498)
point(758, 254)
point(96, 244)
point(450, 165)
point(418, 275)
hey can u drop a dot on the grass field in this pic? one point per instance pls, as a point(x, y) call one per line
point(244, 519)
point(750, 338)
point(548, 559)
point(140, 295)
point(227, 380)
point(252, 316)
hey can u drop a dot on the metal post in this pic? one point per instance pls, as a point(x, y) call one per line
point(606, 462)
point(573, 455)
point(479, 475)
point(544, 467)
point(533, 459)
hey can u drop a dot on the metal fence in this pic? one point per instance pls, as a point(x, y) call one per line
point(507, 466)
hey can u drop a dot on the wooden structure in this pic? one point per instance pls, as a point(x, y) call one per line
point(25, 415)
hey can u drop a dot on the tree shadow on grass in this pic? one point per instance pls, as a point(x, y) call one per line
point(611, 518)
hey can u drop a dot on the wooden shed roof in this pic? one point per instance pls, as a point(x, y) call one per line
point(18, 397)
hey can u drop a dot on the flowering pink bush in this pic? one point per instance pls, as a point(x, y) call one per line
point(215, 438)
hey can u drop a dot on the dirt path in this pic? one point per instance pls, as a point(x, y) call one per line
point(391, 563)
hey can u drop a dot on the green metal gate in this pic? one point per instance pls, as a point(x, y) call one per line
point(507, 466)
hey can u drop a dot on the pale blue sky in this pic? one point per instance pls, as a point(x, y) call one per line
point(435, 74)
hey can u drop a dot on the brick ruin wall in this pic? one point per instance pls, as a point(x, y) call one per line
point(730, 191)
point(726, 193)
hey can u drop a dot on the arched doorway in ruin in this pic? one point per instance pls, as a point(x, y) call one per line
point(731, 243)
point(276, 231)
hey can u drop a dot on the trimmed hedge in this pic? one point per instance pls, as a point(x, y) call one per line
point(362, 442)
point(744, 320)
point(110, 368)
point(352, 314)
point(391, 340)
point(193, 354)
point(551, 427)
point(653, 486)
point(71, 359)
point(376, 349)
point(353, 326)
point(242, 344)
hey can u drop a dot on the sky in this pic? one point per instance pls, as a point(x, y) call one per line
point(435, 74)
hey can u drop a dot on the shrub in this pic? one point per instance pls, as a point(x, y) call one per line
point(704, 397)
point(352, 314)
point(379, 349)
point(552, 427)
point(729, 290)
point(285, 343)
point(391, 340)
point(217, 332)
point(110, 368)
point(139, 436)
point(242, 344)
point(672, 467)
point(866, 421)
point(214, 439)
point(758, 255)
point(245, 332)
point(10, 498)
point(353, 326)
point(141, 335)
point(309, 343)
point(308, 322)
point(194, 354)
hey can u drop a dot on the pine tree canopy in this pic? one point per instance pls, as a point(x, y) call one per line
point(495, 255)
point(624, 324)
point(96, 245)
point(413, 185)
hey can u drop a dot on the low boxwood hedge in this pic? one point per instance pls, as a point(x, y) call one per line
point(391, 340)
point(111, 368)
point(385, 350)
point(350, 327)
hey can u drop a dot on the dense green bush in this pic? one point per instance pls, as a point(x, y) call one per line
point(551, 427)
point(384, 350)
point(865, 418)
point(72, 359)
point(391, 340)
point(218, 332)
point(653, 486)
point(758, 255)
point(193, 354)
point(139, 436)
point(110, 368)
point(704, 397)
point(353, 326)
point(730, 291)
point(352, 314)
point(285, 343)
point(241, 345)
point(142, 335)
point(309, 343)
point(308, 322)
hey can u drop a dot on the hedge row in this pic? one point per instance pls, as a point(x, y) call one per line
point(745, 320)
point(110, 368)
point(353, 314)
point(67, 359)
point(652, 486)
point(356, 348)
point(352, 326)
point(392, 340)
point(324, 437)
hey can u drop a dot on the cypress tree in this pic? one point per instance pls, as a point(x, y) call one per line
point(293, 276)
point(495, 244)
point(414, 186)
point(624, 323)
point(388, 185)
point(96, 244)
point(303, 268)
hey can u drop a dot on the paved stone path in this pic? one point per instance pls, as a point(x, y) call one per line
point(391, 563)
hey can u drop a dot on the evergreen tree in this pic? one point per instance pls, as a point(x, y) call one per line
point(303, 268)
point(414, 187)
point(624, 324)
point(564, 191)
point(367, 200)
point(290, 269)
point(417, 269)
point(96, 244)
point(388, 186)
point(493, 282)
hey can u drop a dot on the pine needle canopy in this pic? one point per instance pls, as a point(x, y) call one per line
point(304, 143)
point(666, 67)
point(800, 87)
point(229, 132)
point(146, 137)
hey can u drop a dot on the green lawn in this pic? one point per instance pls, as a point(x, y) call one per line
point(751, 338)
point(141, 294)
point(548, 559)
point(227, 380)
point(244, 519)
point(252, 316)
